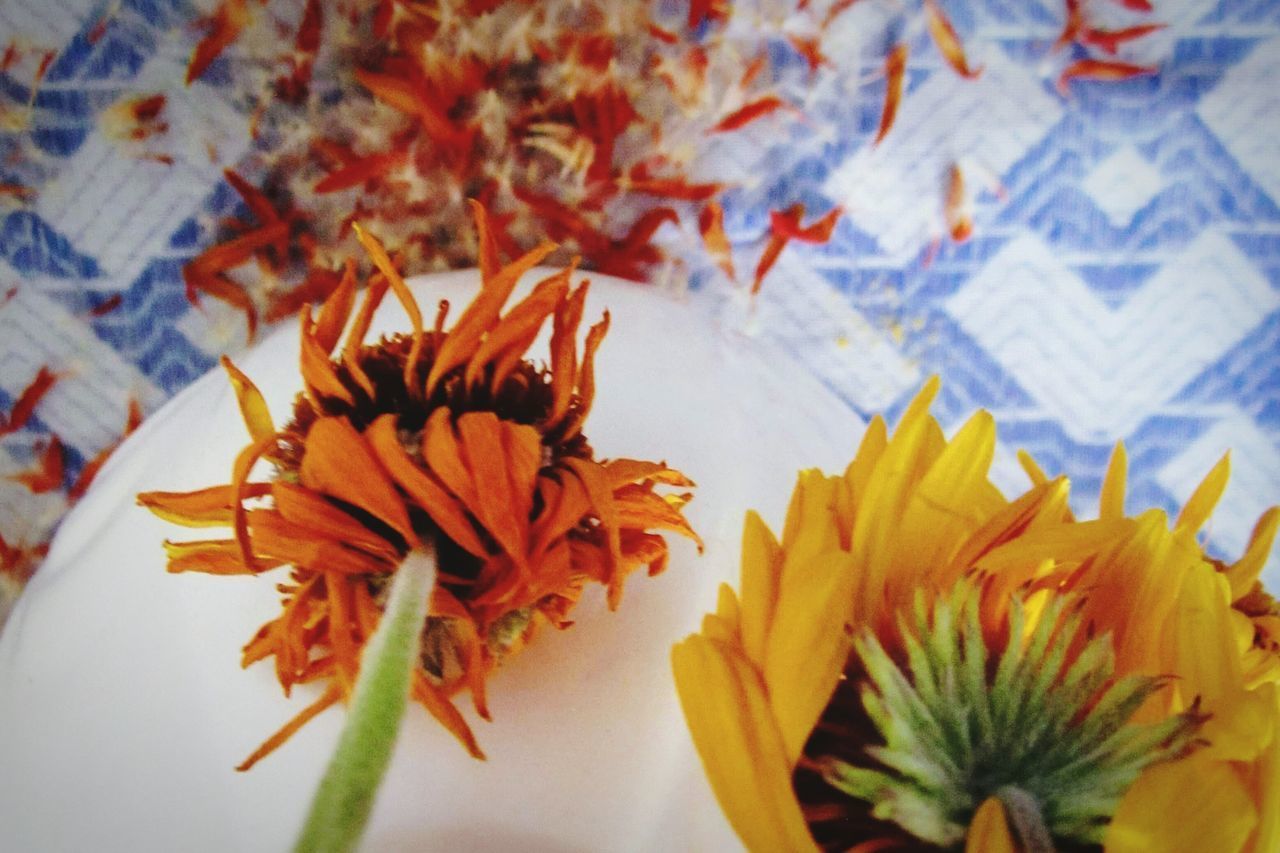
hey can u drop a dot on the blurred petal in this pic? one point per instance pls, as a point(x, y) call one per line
point(1219, 816)
point(728, 714)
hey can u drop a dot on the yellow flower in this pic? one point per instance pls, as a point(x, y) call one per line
point(844, 697)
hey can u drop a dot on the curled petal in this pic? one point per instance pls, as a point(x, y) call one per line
point(564, 357)
point(336, 310)
point(253, 407)
point(392, 275)
point(211, 507)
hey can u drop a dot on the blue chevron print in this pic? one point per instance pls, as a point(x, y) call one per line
point(1122, 282)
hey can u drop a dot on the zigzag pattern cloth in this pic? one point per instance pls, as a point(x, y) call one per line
point(1122, 281)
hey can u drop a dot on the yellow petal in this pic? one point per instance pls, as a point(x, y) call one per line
point(1192, 805)
point(253, 408)
point(809, 641)
point(1034, 472)
point(1111, 501)
point(1200, 505)
point(1041, 506)
point(761, 566)
point(741, 749)
point(953, 499)
point(989, 830)
point(1207, 659)
point(911, 451)
point(1265, 782)
point(1244, 573)
point(857, 475)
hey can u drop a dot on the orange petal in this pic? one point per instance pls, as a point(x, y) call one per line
point(443, 453)
point(944, 36)
point(711, 226)
point(564, 505)
point(47, 473)
point(28, 400)
point(224, 28)
point(500, 505)
point(311, 511)
point(328, 698)
point(277, 538)
point(445, 713)
point(517, 330)
point(749, 113)
point(894, 68)
point(641, 509)
point(253, 407)
point(621, 472)
point(336, 310)
point(240, 470)
point(481, 315)
point(214, 557)
point(317, 370)
point(564, 352)
point(596, 484)
point(355, 338)
point(587, 376)
point(211, 507)
point(337, 461)
point(438, 503)
point(388, 270)
point(484, 236)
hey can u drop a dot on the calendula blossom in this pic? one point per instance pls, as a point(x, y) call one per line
point(450, 439)
point(919, 663)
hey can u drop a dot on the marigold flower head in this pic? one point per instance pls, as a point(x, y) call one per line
point(449, 436)
point(920, 663)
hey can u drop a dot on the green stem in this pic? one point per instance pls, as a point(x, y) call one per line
point(344, 800)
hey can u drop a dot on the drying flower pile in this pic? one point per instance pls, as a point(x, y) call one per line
point(447, 439)
point(919, 663)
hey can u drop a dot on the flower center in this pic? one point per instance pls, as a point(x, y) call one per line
point(948, 722)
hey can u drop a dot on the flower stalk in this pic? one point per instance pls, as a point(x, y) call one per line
point(343, 802)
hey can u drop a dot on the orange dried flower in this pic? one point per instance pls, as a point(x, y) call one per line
point(451, 436)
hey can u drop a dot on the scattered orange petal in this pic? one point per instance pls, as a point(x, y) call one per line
point(224, 27)
point(711, 225)
point(27, 401)
point(956, 210)
point(787, 224)
point(748, 113)
point(17, 190)
point(811, 49)
point(894, 68)
point(107, 305)
point(46, 475)
point(1111, 40)
point(948, 42)
point(1096, 69)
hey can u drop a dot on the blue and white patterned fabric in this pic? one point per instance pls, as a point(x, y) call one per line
point(1122, 283)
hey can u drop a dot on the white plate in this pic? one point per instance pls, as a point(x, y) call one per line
point(123, 708)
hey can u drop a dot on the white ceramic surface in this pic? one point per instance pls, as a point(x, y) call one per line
point(123, 708)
